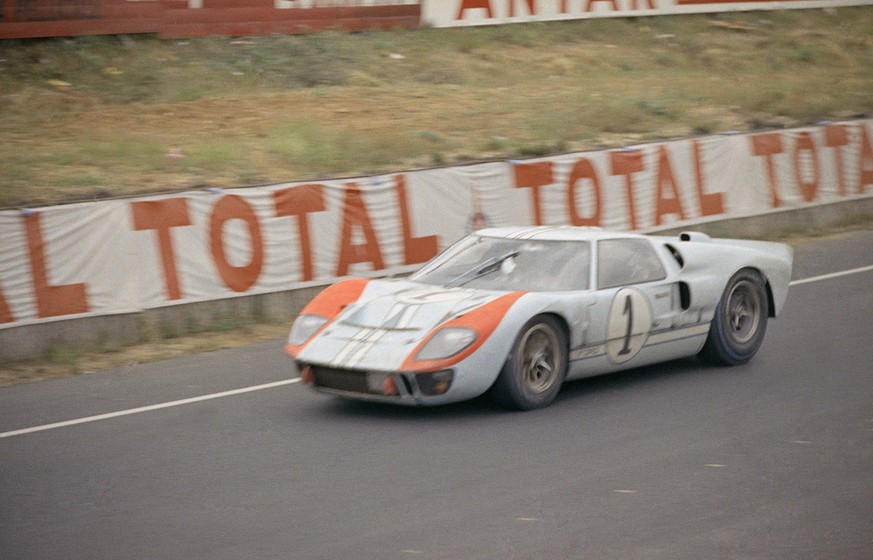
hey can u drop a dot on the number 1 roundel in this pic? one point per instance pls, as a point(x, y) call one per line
point(630, 320)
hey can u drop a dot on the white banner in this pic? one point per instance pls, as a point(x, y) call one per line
point(454, 13)
point(127, 255)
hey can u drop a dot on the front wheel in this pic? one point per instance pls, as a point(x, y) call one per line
point(740, 320)
point(536, 367)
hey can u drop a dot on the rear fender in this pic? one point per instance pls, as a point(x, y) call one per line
point(709, 264)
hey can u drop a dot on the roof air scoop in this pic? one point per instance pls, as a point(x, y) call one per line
point(694, 236)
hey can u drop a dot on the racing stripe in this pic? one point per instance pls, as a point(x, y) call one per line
point(530, 232)
point(403, 319)
point(533, 232)
point(597, 350)
point(399, 317)
point(677, 334)
point(365, 346)
point(360, 336)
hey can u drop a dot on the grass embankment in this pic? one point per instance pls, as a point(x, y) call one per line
point(90, 117)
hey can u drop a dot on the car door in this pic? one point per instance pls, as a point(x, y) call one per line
point(636, 302)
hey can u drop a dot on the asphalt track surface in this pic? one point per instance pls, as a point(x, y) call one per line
point(225, 456)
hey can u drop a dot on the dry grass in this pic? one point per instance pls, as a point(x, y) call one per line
point(102, 116)
point(62, 361)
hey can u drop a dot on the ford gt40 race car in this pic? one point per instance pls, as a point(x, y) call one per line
point(518, 311)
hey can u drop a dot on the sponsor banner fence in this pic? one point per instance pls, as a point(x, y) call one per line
point(58, 18)
point(453, 13)
point(197, 18)
point(127, 255)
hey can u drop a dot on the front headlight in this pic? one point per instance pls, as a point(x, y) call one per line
point(446, 343)
point(304, 327)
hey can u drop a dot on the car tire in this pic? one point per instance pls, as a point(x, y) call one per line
point(740, 321)
point(536, 366)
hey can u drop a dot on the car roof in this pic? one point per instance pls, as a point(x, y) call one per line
point(556, 233)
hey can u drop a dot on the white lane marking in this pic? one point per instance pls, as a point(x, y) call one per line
point(831, 275)
point(149, 408)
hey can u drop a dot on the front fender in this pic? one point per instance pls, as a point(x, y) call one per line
point(478, 372)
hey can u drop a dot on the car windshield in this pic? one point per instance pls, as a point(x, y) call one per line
point(491, 263)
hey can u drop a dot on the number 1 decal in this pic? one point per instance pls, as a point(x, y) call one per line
point(630, 320)
point(629, 311)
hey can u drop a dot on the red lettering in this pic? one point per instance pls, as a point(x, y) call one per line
point(534, 176)
point(531, 8)
point(711, 204)
point(563, 6)
point(51, 301)
point(300, 202)
point(666, 203)
point(809, 189)
point(590, 3)
point(582, 170)
point(355, 215)
point(836, 136)
point(865, 161)
point(415, 249)
point(626, 163)
point(237, 278)
point(473, 5)
point(161, 216)
point(767, 146)
point(635, 5)
point(5, 312)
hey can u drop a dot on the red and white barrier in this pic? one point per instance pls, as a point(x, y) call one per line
point(455, 13)
point(126, 255)
point(196, 18)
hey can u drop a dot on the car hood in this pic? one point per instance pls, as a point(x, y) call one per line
point(389, 320)
point(411, 306)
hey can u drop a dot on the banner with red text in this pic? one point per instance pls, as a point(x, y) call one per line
point(197, 18)
point(127, 255)
point(453, 13)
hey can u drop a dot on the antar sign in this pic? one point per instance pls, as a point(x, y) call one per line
point(450, 13)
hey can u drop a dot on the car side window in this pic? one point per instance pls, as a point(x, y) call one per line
point(621, 262)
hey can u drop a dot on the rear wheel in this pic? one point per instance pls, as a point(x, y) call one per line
point(740, 320)
point(536, 367)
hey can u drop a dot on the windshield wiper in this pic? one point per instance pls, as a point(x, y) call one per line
point(481, 269)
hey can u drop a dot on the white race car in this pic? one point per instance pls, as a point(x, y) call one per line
point(518, 311)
